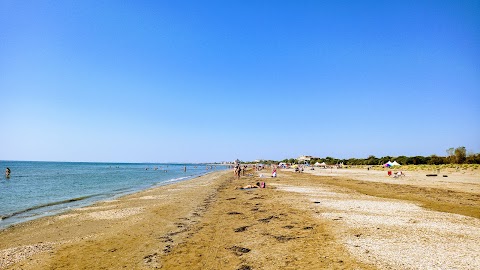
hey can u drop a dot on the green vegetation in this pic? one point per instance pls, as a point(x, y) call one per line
point(454, 157)
point(436, 168)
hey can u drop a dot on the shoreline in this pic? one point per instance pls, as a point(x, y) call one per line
point(42, 208)
point(88, 204)
point(77, 226)
point(300, 221)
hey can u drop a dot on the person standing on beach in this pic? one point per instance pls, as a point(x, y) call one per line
point(237, 171)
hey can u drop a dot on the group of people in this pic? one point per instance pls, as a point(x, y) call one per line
point(239, 170)
point(297, 169)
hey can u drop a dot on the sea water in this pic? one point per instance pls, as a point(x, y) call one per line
point(36, 189)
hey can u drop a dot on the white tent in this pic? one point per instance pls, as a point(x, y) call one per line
point(395, 163)
point(320, 164)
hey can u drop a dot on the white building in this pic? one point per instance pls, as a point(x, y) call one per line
point(304, 158)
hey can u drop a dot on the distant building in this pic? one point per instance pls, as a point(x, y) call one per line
point(304, 158)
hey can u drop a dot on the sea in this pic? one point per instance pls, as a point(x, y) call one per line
point(37, 189)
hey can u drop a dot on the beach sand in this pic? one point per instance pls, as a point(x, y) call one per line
point(349, 219)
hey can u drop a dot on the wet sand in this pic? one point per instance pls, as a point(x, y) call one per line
point(300, 221)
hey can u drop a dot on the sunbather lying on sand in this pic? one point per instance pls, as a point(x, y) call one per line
point(257, 185)
point(247, 187)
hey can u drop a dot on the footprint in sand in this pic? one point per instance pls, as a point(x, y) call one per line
point(267, 219)
point(283, 238)
point(241, 229)
point(239, 251)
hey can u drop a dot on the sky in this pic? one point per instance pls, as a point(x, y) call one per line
point(205, 81)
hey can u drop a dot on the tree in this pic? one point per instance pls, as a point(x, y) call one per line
point(402, 160)
point(450, 154)
point(329, 160)
point(456, 155)
point(436, 160)
point(416, 160)
point(384, 160)
point(460, 155)
point(372, 160)
point(473, 158)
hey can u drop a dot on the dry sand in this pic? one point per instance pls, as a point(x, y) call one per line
point(352, 220)
point(463, 181)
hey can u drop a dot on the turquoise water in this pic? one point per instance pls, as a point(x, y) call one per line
point(37, 189)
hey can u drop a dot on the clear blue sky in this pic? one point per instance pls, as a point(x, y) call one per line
point(194, 81)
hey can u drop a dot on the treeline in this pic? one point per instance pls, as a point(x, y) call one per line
point(454, 156)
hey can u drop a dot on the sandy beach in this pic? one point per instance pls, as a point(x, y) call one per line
point(320, 219)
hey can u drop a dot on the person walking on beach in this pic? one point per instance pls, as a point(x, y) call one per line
point(237, 171)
